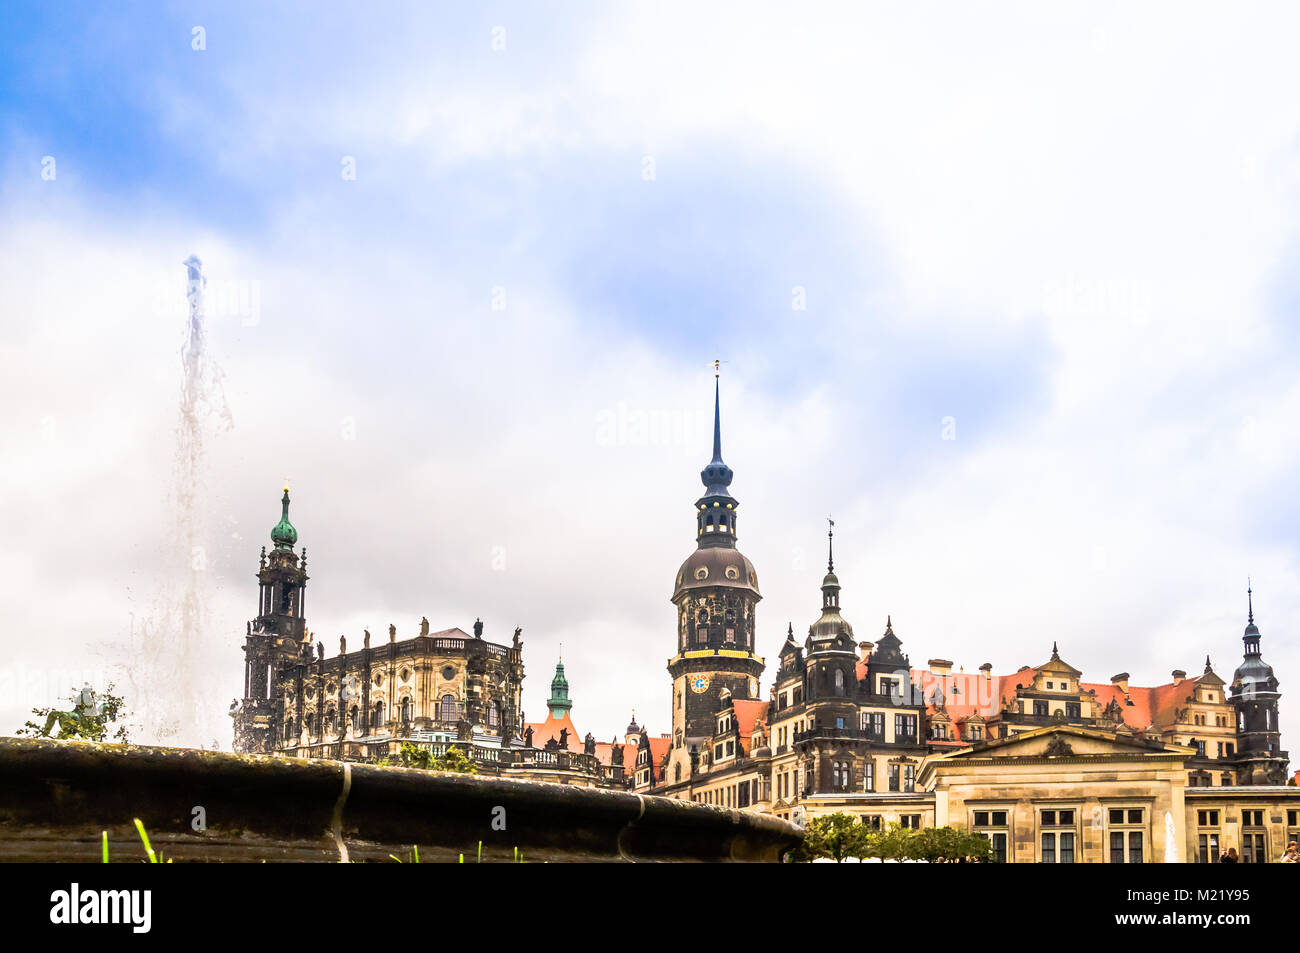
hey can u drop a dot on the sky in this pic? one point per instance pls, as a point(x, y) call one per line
point(1008, 291)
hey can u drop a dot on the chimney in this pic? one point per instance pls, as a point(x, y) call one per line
point(987, 670)
point(1120, 681)
point(1179, 675)
point(865, 649)
point(940, 666)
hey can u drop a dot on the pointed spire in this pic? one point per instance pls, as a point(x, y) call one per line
point(789, 632)
point(1056, 656)
point(715, 512)
point(717, 415)
point(1207, 665)
point(1250, 604)
point(830, 545)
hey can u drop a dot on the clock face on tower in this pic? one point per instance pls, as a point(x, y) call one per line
point(700, 684)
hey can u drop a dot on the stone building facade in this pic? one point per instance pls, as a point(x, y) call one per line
point(432, 690)
point(1051, 767)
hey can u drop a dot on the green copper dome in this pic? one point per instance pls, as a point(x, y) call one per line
point(284, 535)
point(559, 702)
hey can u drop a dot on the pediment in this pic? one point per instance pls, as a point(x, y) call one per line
point(1069, 741)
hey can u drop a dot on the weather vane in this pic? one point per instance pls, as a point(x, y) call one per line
point(717, 367)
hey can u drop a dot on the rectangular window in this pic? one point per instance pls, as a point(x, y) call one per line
point(1117, 847)
point(1135, 847)
point(869, 775)
point(1040, 708)
point(893, 777)
point(1067, 847)
point(909, 777)
point(1049, 848)
point(1207, 851)
point(904, 727)
point(912, 821)
point(1207, 818)
point(999, 846)
point(1072, 710)
point(1127, 844)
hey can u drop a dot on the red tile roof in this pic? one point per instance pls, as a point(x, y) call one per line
point(544, 731)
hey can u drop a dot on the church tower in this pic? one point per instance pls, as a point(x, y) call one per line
point(715, 592)
point(275, 640)
point(1254, 697)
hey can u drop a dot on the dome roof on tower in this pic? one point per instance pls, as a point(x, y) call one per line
point(283, 534)
point(716, 566)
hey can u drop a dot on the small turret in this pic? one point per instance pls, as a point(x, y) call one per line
point(559, 703)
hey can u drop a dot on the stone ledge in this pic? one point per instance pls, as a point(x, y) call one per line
point(57, 796)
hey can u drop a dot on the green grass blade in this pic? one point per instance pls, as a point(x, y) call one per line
point(153, 858)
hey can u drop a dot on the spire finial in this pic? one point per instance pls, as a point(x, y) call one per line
point(830, 545)
point(1250, 603)
point(717, 413)
point(1055, 654)
point(1207, 665)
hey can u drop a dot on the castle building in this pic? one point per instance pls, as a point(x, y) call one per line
point(1049, 766)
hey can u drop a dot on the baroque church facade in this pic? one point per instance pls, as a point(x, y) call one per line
point(433, 690)
point(1049, 766)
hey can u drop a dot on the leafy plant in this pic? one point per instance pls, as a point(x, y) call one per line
point(89, 719)
point(837, 836)
point(841, 836)
point(454, 759)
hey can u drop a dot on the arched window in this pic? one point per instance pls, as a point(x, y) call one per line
point(329, 720)
point(447, 711)
point(839, 682)
point(494, 715)
point(677, 772)
point(379, 715)
point(406, 712)
point(355, 724)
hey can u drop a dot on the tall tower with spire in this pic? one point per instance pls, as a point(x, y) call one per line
point(715, 592)
point(275, 639)
point(1254, 697)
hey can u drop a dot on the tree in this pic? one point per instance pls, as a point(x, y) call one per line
point(893, 843)
point(836, 836)
point(89, 718)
